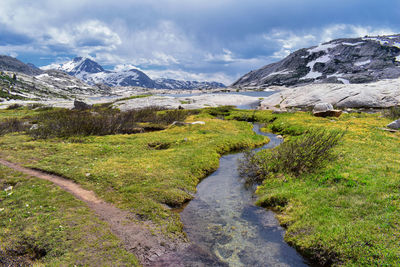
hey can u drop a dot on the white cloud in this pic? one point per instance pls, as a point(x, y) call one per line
point(225, 57)
point(123, 67)
point(85, 37)
point(350, 31)
point(289, 41)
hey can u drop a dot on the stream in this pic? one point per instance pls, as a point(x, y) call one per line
point(226, 228)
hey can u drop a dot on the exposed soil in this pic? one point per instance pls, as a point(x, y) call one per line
point(137, 238)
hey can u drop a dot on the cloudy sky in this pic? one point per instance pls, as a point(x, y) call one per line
point(184, 39)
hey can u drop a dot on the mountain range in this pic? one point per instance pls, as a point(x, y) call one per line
point(92, 73)
point(347, 61)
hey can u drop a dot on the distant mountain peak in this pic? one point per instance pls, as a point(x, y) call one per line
point(77, 59)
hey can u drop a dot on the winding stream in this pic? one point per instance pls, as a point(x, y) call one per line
point(227, 229)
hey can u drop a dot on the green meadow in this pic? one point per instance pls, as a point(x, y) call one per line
point(344, 213)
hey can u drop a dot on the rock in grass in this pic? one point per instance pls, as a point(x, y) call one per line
point(394, 125)
point(325, 110)
point(80, 105)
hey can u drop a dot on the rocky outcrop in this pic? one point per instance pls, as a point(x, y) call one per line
point(48, 85)
point(341, 61)
point(380, 94)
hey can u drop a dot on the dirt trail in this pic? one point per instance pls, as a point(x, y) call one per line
point(136, 238)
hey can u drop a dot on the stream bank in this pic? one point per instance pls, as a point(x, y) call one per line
point(224, 226)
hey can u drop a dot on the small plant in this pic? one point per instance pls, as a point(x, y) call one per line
point(159, 145)
point(392, 113)
point(12, 125)
point(14, 106)
point(304, 154)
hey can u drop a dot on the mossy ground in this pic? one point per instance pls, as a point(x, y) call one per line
point(348, 212)
point(41, 224)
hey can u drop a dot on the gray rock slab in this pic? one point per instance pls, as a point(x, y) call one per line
point(380, 94)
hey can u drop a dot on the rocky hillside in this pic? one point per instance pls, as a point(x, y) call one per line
point(25, 82)
point(342, 61)
point(92, 73)
point(12, 64)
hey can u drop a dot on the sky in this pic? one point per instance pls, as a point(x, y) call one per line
point(205, 40)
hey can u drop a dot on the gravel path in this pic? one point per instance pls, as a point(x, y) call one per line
point(136, 237)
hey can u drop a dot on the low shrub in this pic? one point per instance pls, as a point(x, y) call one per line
point(14, 106)
point(222, 111)
point(392, 113)
point(12, 125)
point(67, 123)
point(303, 154)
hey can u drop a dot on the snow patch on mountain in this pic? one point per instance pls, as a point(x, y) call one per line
point(356, 60)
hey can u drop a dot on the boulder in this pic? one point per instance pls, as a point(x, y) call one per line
point(325, 110)
point(80, 105)
point(394, 125)
point(322, 107)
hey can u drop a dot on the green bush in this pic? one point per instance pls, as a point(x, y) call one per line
point(303, 154)
point(68, 123)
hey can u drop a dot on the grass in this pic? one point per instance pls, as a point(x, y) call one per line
point(145, 173)
point(348, 212)
point(43, 225)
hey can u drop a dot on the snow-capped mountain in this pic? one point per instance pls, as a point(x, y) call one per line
point(352, 60)
point(92, 73)
point(179, 84)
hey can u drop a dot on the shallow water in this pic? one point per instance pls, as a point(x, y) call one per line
point(222, 222)
point(246, 93)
